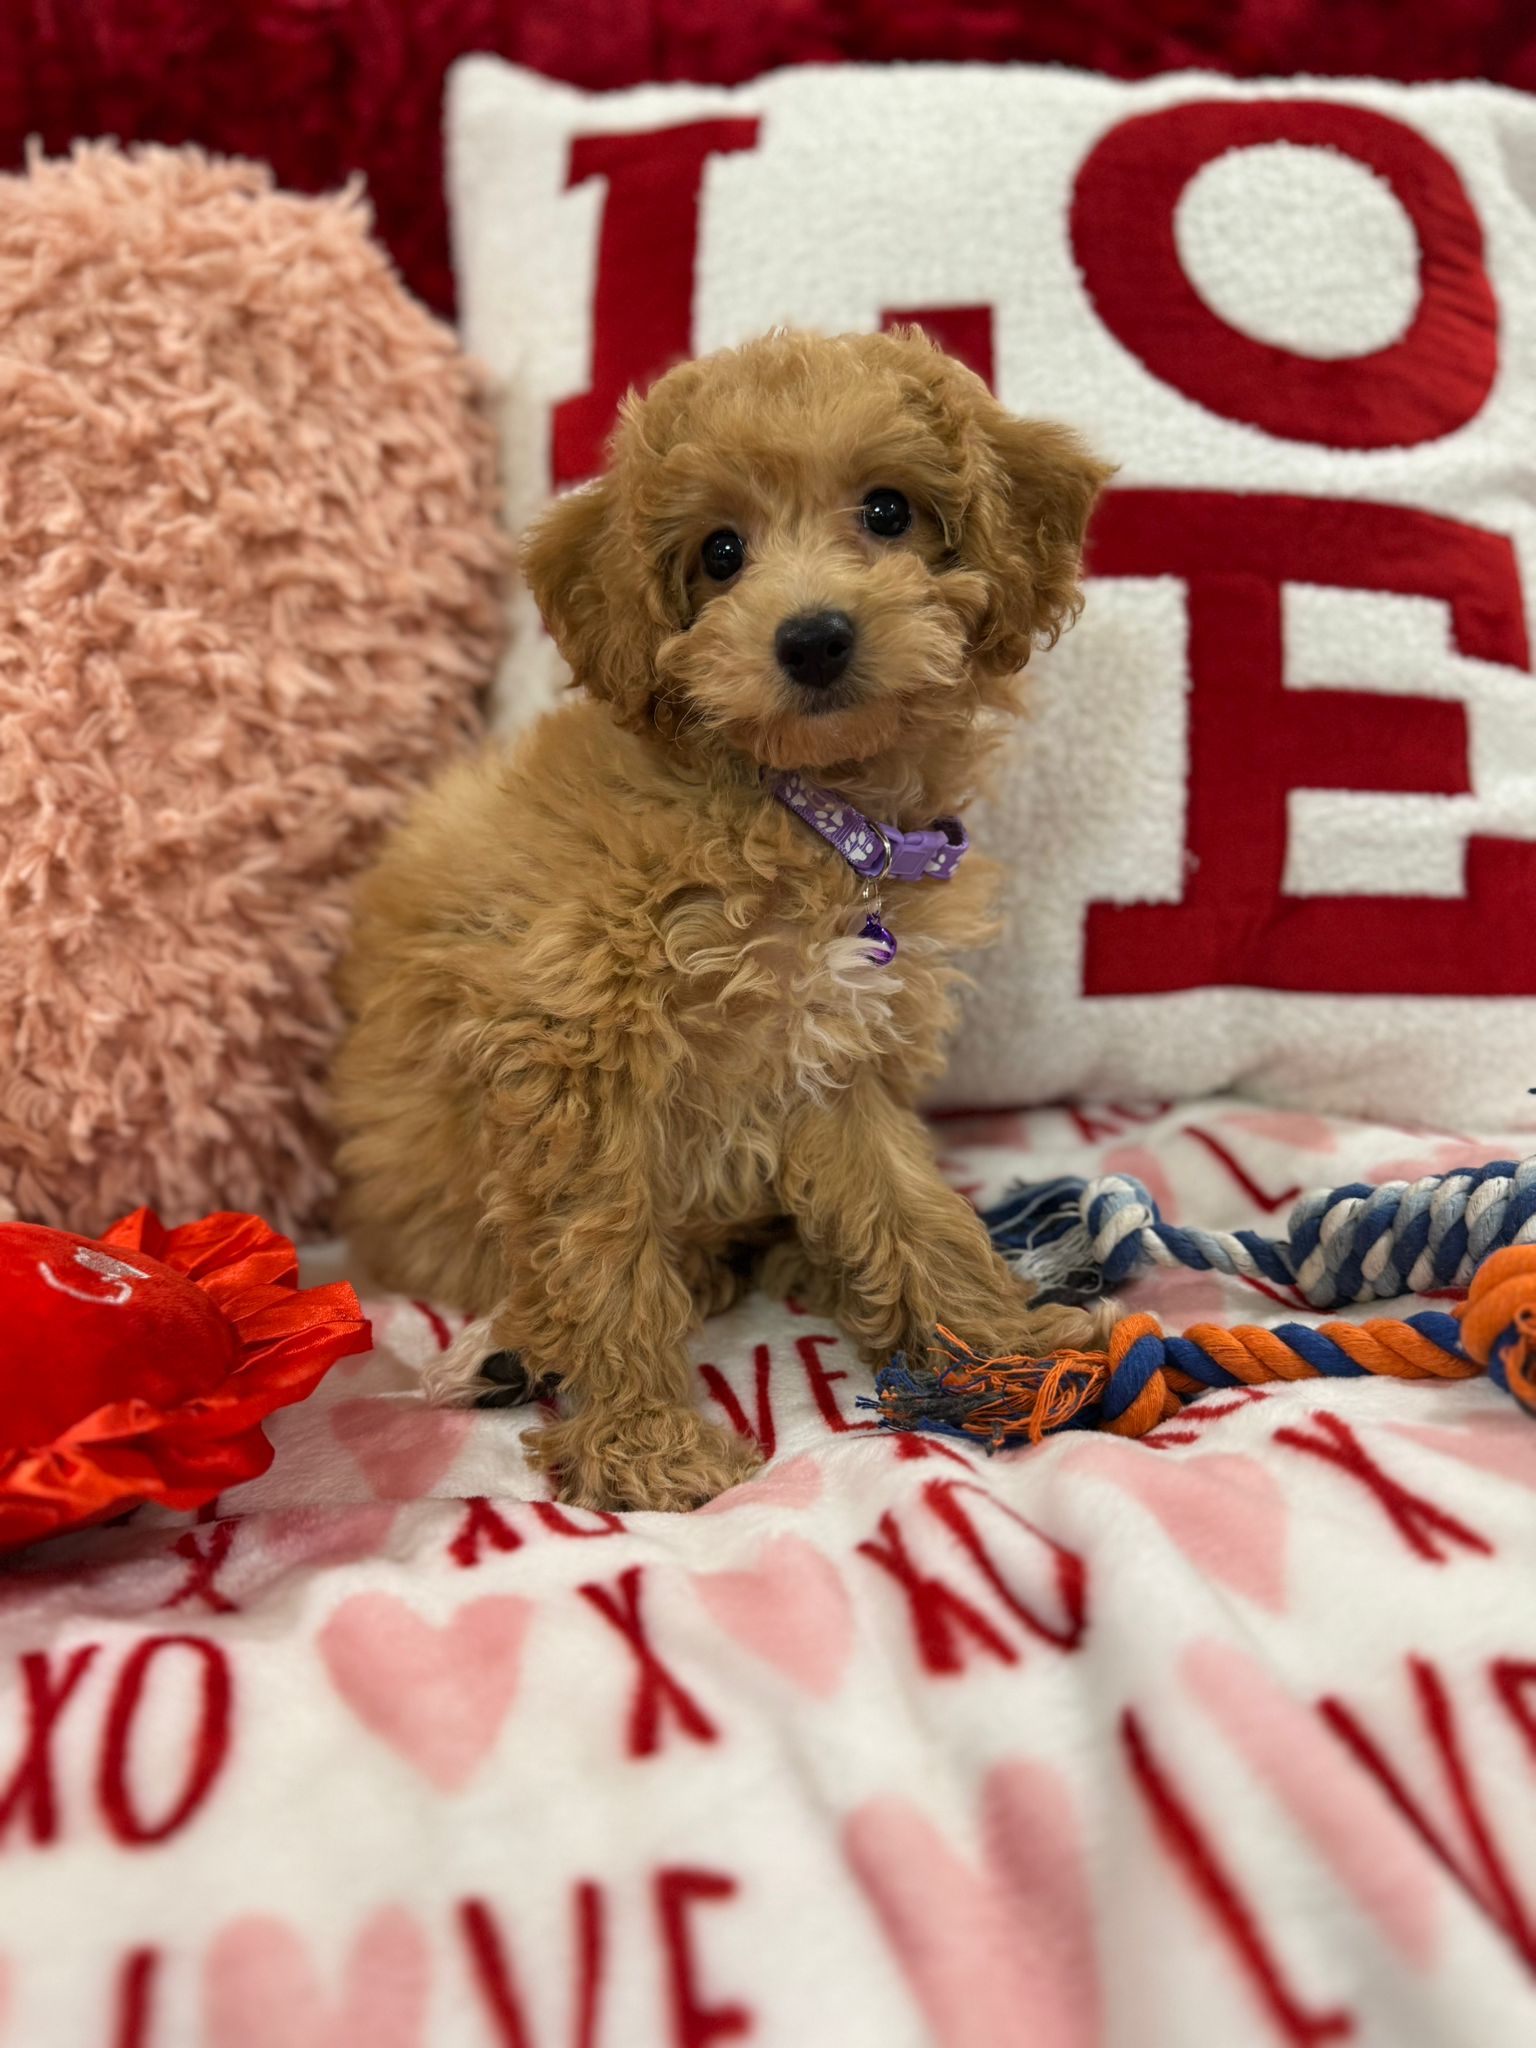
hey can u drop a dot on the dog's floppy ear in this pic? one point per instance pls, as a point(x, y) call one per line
point(1024, 532)
point(589, 584)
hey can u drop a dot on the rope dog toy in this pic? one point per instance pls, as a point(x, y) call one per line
point(1354, 1243)
point(1146, 1376)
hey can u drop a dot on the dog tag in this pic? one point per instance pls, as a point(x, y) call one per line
point(882, 943)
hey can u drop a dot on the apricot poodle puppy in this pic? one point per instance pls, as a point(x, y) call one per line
point(626, 1016)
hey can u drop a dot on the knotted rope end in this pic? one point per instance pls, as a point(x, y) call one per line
point(1498, 1321)
point(998, 1402)
point(1041, 1233)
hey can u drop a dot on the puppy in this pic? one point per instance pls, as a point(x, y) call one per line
point(625, 1016)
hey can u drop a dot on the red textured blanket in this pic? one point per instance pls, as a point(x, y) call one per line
point(356, 85)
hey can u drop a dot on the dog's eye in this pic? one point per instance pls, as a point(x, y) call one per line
point(723, 554)
point(886, 513)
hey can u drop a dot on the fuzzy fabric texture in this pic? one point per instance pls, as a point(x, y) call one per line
point(1220, 1739)
point(247, 513)
point(319, 91)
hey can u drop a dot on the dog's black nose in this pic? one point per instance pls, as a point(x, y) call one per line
point(814, 647)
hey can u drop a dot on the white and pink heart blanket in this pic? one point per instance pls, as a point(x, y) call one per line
point(1226, 1736)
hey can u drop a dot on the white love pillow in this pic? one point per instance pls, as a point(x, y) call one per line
point(1273, 824)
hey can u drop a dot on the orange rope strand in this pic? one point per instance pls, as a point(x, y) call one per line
point(1016, 1399)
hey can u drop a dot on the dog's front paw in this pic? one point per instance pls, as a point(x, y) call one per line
point(666, 1460)
point(1042, 1328)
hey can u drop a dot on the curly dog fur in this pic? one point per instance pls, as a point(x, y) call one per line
point(611, 1024)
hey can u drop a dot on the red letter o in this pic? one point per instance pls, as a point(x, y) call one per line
point(1428, 383)
point(206, 1750)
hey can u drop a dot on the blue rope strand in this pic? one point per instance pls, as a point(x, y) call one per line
point(1347, 1244)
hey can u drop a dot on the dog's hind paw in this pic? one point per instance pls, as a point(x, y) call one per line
point(478, 1371)
point(658, 1459)
point(511, 1384)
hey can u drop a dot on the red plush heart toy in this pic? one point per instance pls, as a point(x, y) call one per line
point(138, 1367)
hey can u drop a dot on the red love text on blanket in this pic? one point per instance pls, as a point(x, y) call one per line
point(1249, 748)
point(822, 1381)
point(1478, 1860)
point(1514, 1681)
point(690, 2016)
point(436, 1695)
point(944, 1622)
point(137, 1981)
point(1187, 1842)
point(997, 1957)
point(141, 1804)
point(761, 1426)
point(680, 1894)
point(1351, 1825)
point(263, 1989)
point(496, 1979)
point(963, 1507)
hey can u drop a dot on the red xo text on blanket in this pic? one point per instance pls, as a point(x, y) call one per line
point(56, 1686)
point(1022, 1584)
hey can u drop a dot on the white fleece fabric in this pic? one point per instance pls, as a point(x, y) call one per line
point(868, 190)
point(1226, 1736)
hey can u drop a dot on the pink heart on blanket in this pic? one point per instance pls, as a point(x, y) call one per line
point(261, 1988)
point(1440, 1157)
point(1293, 1127)
point(403, 1447)
point(1176, 1296)
point(791, 1609)
point(1000, 1956)
point(1372, 1851)
point(1225, 1511)
point(1504, 1445)
point(794, 1484)
point(436, 1695)
point(319, 1536)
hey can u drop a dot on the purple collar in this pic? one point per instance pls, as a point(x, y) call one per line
point(877, 852)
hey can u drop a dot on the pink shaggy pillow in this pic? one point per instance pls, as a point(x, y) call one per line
point(249, 593)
